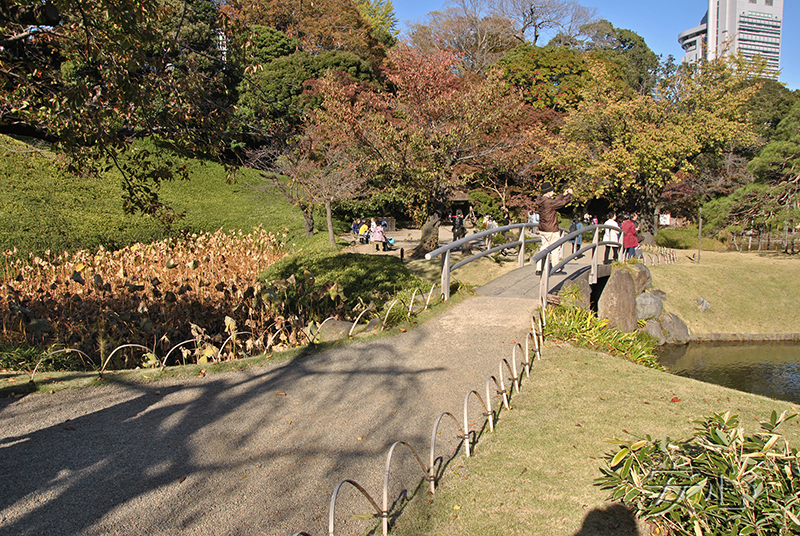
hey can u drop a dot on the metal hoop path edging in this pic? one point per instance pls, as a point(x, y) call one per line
point(385, 520)
point(164, 362)
point(499, 391)
point(431, 475)
point(54, 352)
point(487, 412)
point(316, 333)
point(428, 301)
point(359, 487)
point(411, 302)
point(287, 326)
point(350, 333)
point(120, 347)
point(513, 378)
point(385, 318)
point(525, 363)
point(234, 334)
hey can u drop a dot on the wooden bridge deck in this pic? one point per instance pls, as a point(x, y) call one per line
point(524, 283)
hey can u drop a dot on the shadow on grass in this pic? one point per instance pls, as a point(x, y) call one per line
point(616, 520)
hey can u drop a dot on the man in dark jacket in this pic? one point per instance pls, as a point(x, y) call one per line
point(549, 203)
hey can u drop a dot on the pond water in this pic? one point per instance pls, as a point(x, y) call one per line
point(771, 369)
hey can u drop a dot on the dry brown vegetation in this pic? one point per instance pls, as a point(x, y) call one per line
point(202, 288)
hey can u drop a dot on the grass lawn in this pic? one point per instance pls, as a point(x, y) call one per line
point(748, 292)
point(534, 475)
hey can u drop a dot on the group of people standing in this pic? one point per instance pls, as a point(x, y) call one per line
point(549, 204)
point(630, 238)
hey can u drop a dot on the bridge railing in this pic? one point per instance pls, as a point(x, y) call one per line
point(447, 269)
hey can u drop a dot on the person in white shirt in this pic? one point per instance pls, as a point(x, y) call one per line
point(611, 235)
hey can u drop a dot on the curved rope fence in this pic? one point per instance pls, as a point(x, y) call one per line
point(467, 432)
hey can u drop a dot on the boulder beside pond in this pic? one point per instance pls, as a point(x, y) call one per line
point(617, 303)
point(648, 306)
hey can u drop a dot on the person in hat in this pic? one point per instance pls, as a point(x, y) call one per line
point(548, 204)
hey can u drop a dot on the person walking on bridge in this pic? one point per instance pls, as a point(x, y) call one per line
point(548, 204)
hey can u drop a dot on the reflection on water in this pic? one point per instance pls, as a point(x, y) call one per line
point(770, 369)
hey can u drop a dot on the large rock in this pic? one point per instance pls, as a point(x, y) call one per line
point(333, 330)
point(648, 239)
point(617, 303)
point(582, 298)
point(648, 306)
point(675, 330)
point(653, 328)
point(642, 278)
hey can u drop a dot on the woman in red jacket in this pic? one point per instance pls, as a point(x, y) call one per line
point(629, 240)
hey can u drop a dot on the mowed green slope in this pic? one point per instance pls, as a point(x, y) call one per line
point(44, 207)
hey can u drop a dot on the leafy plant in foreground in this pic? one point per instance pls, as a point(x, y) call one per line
point(720, 481)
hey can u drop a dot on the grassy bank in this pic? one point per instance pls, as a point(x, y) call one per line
point(534, 475)
point(748, 293)
point(44, 207)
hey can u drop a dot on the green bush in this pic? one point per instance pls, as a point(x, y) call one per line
point(364, 279)
point(720, 481)
point(583, 328)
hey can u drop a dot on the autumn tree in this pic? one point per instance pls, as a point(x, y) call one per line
point(312, 170)
point(322, 25)
point(481, 38)
point(548, 77)
point(380, 15)
point(535, 18)
point(429, 135)
point(626, 146)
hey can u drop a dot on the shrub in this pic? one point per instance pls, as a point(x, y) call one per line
point(720, 481)
point(583, 328)
point(363, 279)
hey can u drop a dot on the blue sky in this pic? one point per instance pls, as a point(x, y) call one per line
point(658, 22)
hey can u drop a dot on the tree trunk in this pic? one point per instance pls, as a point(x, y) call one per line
point(430, 237)
point(329, 218)
point(308, 219)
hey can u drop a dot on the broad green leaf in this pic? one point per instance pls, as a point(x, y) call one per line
point(619, 456)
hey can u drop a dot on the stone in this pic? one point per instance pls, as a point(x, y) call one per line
point(372, 326)
point(659, 294)
point(703, 304)
point(675, 330)
point(334, 330)
point(642, 278)
point(617, 303)
point(581, 299)
point(648, 240)
point(648, 306)
point(653, 328)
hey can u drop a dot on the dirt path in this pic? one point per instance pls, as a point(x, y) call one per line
point(252, 452)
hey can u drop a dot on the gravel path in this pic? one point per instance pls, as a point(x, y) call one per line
point(252, 452)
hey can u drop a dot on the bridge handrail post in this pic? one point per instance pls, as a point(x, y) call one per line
point(446, 275)
point(521, 256)
point(595, 254)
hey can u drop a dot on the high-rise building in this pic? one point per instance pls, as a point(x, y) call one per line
point(749, 27)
